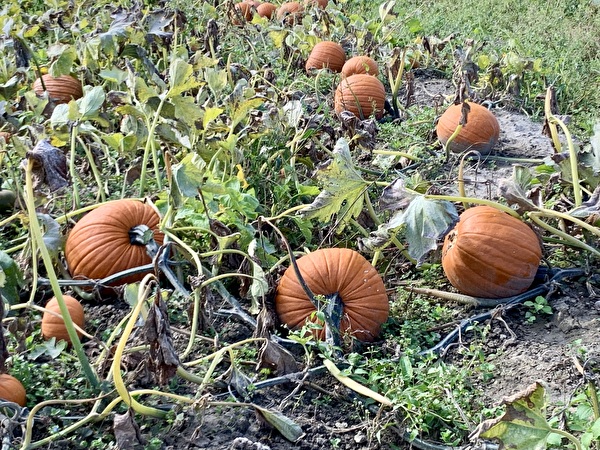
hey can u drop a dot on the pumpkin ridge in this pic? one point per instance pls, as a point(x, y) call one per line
point(470, 238)
point(474, 257)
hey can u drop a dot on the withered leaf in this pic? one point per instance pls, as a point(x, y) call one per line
point(49, 166)
point(127, 432)
point(273, 356)
point(163, 357)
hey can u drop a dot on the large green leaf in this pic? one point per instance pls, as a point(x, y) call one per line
point(91, 103)
point(343, 188)
point(181, 78)
point(523, 425)
point(188, 175)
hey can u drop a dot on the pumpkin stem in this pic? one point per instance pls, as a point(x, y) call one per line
point(334, 309)
point(143, 235)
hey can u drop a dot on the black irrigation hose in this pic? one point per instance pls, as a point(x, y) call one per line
point(557, 275)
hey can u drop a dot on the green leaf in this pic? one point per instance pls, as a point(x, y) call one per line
point(286, 426)
point(188, 175)
point(64, 56)
point(523, 425)
point(343, 188)
point(52, 236)
point(91, 102)
point(143, 91)
point(181, 78)
point(278, 37)
point(210, 114)
point(186, 110)
point(216, 79)
point(242, 110)
point(11, 278)
point(115, 75)
point(426, 221)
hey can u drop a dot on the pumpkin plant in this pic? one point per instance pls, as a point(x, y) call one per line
point(326, 55)
point(360, 64)
point(490, 254)
point(468, 126)
point(12, 390)
point(53, 325)
point(61, 89)
point(112, 238)
point(347, 283)
point(361, 94)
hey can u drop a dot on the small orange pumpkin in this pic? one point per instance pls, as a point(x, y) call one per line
point(104, 241)
point(360, 64)
point(318, 3)
point(54, 326)
point(363, 95)
point(490, 254)
point(243, 10)
point(480, 133)
point(12, 390)
point(326, 55)
point(266, 10)
point(61, 89)
point(5, 135)
point(290, 12)
point(335, 270)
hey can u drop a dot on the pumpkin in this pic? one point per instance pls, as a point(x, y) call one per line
point(490, 254)
point(329, 271)
point(361, 94)
point(318, 3)
point(5, 135)
point(105, 240)
point(290, 12)
point(54, 326)
point(480, 133)
point(326, 55)
point(360, 64)
point(266, 10)
point(243, 10)
point(61, 89)
point(12, 390)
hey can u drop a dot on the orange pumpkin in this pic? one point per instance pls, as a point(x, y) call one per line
point(54, 326)
point(104, 241)
point(318, 3)
point(5, 135)
point(363, 95)
point(290, 12)
point(326, 55)
point(61, 89)
point(12, 390)
point(480, 133)
point(243, 10)
point(490, 254)
point(329, 271)
point(360, 64)
point(266, 10)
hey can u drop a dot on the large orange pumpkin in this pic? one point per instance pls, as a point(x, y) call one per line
point(61, 89)
point(480, 133)
point(104, 241)
point(363, 95)
point(12, 390)
point(290, 12)
point(490, 254)
point(54, 326)
point(266, 10)
point(329, 271)
point(360, 64)
point(326, 55)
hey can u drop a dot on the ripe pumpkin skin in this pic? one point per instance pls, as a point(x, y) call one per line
point(326, 55)
point(322, 4)
point(360, 89)
point(360, 64)
point(12, 390)
point(266, 10)
point(99, 245)
point(290, 11)
point(331, 270)
point(480, 133)
point(54, 327)
point(244, 10)
point(61, 89)
point(490, 254)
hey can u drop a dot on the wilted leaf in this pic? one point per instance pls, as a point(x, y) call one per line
point(426, 222)
point(591, 157)
point(343, 188)
point(286, 426)
point(276, 358)
point(515, 189)
point(188, 175)
point(395, 196)
point(11, 278)
point(210, 114)
point(49, 166)
point(127, 432)
point(52, 236)
point(589, 208)
point(163, 357)
point(523, 426)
